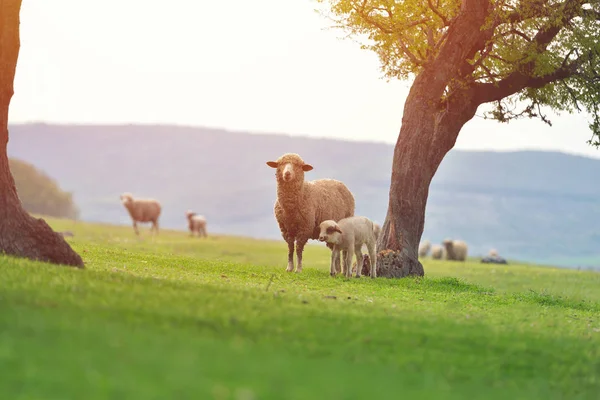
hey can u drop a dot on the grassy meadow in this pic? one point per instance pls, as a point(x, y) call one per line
point(219, 318)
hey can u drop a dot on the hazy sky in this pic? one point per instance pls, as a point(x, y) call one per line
point(261, 65)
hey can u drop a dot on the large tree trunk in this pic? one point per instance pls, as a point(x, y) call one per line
point(20, 234)
point(428, 132)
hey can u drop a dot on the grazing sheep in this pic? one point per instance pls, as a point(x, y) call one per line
point(493, 258)
point(455, 250)
point(196, 223)
point(142, 210)
point(424, 248)
point(347, 236)
point(302, 205)
point(437, 252)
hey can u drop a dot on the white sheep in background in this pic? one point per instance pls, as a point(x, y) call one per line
point(347, 236)
point(455, 250)
point(142, 211)
point(437, 252)
point(196, 223)
point(493, 253)
point(424, 248)
point(302, 205)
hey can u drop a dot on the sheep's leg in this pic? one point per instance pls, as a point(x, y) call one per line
point(359, 260)
point(335, 258)
point(372, 260)
point(348, 262)
point(135, 228)
point(290, 242)
point(299, 249)
point(338, 267)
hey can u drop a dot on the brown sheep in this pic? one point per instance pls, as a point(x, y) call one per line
point(142, 210)
point(302, 205)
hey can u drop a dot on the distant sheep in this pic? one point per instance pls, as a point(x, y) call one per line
point(493, 258)
point(302, 205)
point(424, 248)
point(196, 223)
point(455, 250)
point(437, 252)
point(347, 236)
point(142, 210)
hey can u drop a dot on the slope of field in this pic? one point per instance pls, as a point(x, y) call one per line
point(221, 319)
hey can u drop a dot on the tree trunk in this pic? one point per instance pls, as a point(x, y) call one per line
point(20, 234)
point(428, 132)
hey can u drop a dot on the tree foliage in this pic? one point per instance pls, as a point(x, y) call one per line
point(525, 55)
point(39, 193)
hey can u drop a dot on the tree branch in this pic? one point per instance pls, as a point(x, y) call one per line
point(517, 81)
point(438, 13)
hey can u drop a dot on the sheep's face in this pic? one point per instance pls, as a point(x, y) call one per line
point(447, 243)
point(126, 198)
point(290, 167)
point(189, 214)
point(329, 232)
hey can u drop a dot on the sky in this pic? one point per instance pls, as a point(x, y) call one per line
point(262, 66)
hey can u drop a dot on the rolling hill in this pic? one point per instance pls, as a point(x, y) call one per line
point(540, 207)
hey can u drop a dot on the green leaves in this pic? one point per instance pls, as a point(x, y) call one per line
point(546, 50)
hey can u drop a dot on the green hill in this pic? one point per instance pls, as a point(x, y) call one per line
point(221, 319)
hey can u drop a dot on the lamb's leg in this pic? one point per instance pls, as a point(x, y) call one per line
point(338, 267)
point(348, 263)
point(359, 260)
point(299, 249)
point(135, 228)
point(372, 260)
point(290, 242)
point(335, 258)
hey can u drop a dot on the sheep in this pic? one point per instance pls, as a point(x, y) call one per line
point(493, 258)
point(196, 223)
point(302, 205)
point(437, 252)
point(424, 248)
point(455, 250)
point(347, 236)
point(142, 210)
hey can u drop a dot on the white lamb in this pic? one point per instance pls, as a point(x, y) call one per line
point(347, 236)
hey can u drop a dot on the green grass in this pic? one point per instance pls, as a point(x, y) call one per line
point(183, 317)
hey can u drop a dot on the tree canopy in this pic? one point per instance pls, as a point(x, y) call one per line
point(39, 193)
point(522, 56)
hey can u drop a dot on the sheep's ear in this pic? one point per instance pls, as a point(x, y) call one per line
point(307, 167)
point(272, 164)
point(337, 229)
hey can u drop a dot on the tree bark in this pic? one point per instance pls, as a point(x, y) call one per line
point(20, 234)
point(436, 108)
point(425, 138)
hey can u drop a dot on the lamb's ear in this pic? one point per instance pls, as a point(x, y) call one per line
point(337, 229)
point(307, 167)
point(272, 164)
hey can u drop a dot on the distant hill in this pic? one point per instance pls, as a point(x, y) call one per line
point(541, 207)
